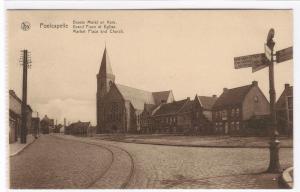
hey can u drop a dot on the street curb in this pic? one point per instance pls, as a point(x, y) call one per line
point(22, 148)
point(286, 178)
point(185, 145)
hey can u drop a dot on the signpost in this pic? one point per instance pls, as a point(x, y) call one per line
point(249, 60)
point(284, 55)
point(258, 62)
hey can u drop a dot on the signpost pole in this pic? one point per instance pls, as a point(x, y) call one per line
point(274, 165)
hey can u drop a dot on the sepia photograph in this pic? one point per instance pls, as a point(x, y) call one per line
point(150, 99)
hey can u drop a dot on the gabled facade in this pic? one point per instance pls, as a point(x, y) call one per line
point(241, 110)
point(284, 111)
point(202, 115)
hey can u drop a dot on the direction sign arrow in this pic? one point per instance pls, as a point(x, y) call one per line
point(250, 61)
point(284, 55)
point(258, 67)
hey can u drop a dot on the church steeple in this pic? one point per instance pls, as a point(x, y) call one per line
point(105, 67)
point(105, 75)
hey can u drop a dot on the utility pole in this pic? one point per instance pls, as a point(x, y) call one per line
point(25, 61)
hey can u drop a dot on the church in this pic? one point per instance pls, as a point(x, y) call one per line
point(118, 106)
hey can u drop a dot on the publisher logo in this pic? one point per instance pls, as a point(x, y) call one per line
point(25, 26)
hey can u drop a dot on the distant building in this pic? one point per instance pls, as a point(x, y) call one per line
point(80, 129)
point(284, 111)
point(47, 125)
point(118, 106)
point(241, 110)
point(35, 124)
point(15, 116)
point(57, 128)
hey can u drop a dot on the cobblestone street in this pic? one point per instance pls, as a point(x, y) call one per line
point(68, 163)
point(55, 163)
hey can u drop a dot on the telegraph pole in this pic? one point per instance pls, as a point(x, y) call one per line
point(25, 61)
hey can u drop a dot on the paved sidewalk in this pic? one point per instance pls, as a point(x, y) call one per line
point(17, 147)
point(197, 141)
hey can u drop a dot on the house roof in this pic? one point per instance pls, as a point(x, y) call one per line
point(149, 107)
point(207, 102)
point(161, 96)
point(137, 97)
point(170, 108)
point(232, 96)
point(288, 91)
point(79, 124)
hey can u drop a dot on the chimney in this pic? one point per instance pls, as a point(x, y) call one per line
point(254, 83)
point(224, 90)
point(188, 98)
point(286, 86)
point(214, 96)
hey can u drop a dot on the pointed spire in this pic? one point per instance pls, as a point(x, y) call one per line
point(105, 67)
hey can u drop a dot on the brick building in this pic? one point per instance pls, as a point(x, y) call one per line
point(119, 107)
point(284, 111)
point(15, 116)
point(241, 110)
point(183, 116)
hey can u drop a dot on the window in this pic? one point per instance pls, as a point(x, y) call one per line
point(115, 111)
point(237, 112)
point(232, 112)
point(232, 126)
point(237, 125)
point(224, 114)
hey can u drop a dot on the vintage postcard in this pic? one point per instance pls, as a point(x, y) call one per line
point(150, 99)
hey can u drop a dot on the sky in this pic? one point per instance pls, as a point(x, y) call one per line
point(187, 51)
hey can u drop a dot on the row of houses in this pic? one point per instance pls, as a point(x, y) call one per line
point(241, 110)
point(35, 125)
point(15, 116)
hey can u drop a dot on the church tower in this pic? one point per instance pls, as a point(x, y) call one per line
point(104, 77)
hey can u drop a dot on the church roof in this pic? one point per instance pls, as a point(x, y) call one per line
point(105, 67)
point(137, 97)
